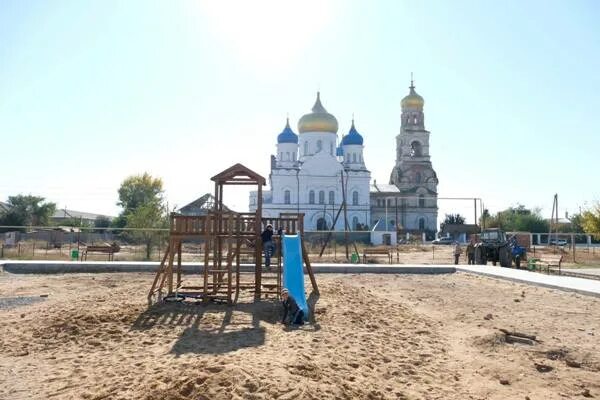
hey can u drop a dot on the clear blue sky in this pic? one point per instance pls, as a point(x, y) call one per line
point(94, 91)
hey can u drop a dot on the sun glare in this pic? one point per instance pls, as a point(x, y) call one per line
point(269, 35)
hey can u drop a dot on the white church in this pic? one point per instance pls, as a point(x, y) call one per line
point(315, 169)
point(310, 169)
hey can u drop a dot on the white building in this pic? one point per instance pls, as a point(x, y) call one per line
point(307, 172)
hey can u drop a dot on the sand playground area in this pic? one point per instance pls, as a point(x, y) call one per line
point(372, 337)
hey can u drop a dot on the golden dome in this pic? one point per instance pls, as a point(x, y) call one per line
point(319, 120)
point(413, 100)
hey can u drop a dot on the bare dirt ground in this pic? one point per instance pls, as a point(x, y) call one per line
point(375, 337)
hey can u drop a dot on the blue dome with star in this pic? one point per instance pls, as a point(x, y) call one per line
point(287, 136)
point(353, 137)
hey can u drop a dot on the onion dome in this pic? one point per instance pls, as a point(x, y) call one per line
point(319, 120)
point(287, 135)
point(353, 137)
point(413, 100)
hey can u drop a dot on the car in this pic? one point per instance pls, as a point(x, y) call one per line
point(444, 240)
point(558, 242)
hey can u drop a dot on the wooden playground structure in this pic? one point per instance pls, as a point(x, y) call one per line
point(226, 237)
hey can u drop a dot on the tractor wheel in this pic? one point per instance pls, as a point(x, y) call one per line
point(505, 257)
point(518, 262)
point(480, 256)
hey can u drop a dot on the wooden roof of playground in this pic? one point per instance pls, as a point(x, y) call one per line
point(239, 175)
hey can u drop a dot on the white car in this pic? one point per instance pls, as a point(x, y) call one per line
point(558, 242)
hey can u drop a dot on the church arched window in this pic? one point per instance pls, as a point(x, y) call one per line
point(418, 177)
point(422, 224)
point(311, 197)
point(305, 148)
point(355, 223)
point(321, 224)
point(319, 145)
point(294, 156)
point(416, 149)
point(355, 198)
point(331, 197)
point(281, 156)
point(286, 197)
point(421, 200)
point(353, 157)
point(331, 148)
point(322, 197)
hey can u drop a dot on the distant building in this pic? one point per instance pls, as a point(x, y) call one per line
point(64, 216)
point(4, 207)
point(459, 232)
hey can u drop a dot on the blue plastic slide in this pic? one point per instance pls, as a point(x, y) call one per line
point(293, 273)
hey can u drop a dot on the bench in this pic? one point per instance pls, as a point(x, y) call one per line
point(547, 262)
point(377, 252)
point(110, 249)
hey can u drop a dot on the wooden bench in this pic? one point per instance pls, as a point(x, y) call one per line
point(377, 252)
point(109, 249)
point(548, 262)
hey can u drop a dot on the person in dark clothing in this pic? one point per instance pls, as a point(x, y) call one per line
point(268, 246)
point(292, 314)
point(471, 252)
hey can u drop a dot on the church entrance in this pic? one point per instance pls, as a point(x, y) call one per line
point(321, 224)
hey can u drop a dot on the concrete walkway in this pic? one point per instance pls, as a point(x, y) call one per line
point(587, 271)
point(579, 285)
point(567, 283)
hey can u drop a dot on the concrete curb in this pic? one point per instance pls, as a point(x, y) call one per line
point(578, 285)
point(62, 267)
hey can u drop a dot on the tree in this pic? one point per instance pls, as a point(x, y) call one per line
point(138, 190)
point(452, 219)
point(28, 210)
point(145, 220)
point(144, 211)
point(590, 221)
point(517, 218)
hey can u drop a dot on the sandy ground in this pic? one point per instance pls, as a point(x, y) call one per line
point(375, 337)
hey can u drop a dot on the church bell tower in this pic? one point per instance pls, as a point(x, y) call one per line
point(413, 173)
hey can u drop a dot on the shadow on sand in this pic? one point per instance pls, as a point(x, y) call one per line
point(215, 328)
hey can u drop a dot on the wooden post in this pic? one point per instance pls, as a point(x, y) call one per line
point(179, 264)
point(258, 247)
point(173, 246)
point(573, 246)
point(311, 275)
point(345, 216)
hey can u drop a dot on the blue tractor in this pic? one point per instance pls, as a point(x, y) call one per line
point(495, 247)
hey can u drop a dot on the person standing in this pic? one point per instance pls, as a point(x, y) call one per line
point(268, 246)
point(471, 252)
point(457, 251)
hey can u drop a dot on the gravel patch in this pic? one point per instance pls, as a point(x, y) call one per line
point(6, 303)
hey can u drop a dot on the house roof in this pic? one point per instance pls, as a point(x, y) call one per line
point(63, 213)
point(201, 205)
point(4, 207)
point(460, 228)
point(383, 188)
